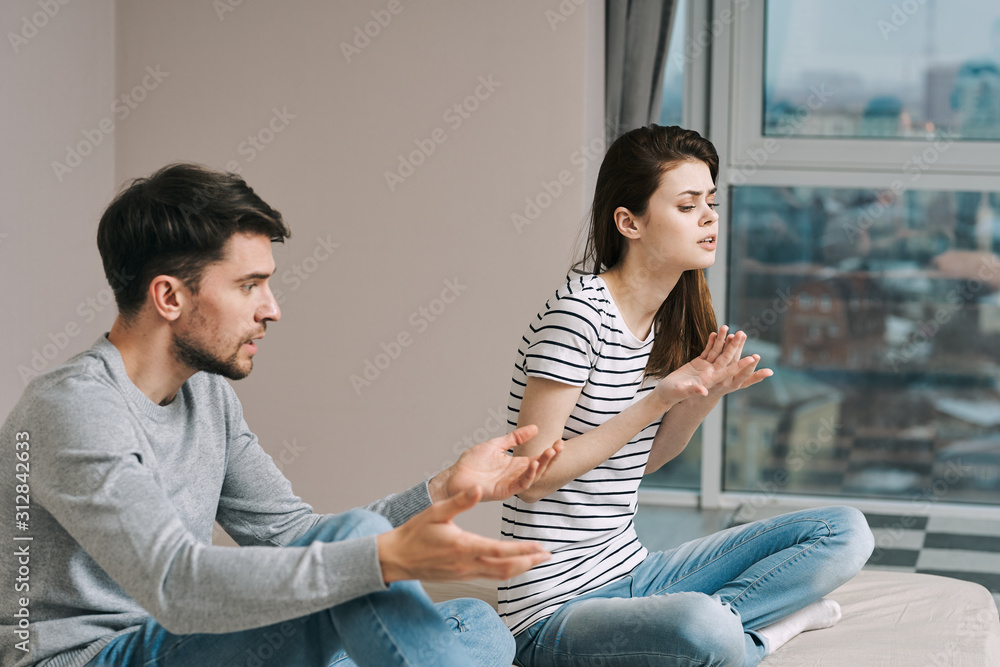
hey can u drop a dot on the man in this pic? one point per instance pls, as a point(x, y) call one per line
point(130, 453)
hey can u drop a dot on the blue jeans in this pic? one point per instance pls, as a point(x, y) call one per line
point(400, 626)
point(701, 603)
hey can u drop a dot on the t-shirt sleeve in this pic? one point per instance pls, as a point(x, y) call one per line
point(564, 342)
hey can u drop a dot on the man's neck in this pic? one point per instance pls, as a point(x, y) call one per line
point(149, 360)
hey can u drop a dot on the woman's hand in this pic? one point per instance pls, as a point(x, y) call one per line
point(718, 371)
point(487, 467)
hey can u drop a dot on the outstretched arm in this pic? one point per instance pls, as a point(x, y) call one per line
point(488, 467)
point(549, 404)
point(431, 547)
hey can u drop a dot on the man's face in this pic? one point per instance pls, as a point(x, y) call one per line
point(230, 311)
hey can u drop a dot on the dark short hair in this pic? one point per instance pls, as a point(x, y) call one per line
point(176, 222)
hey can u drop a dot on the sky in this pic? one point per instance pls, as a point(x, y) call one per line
point(877, 38)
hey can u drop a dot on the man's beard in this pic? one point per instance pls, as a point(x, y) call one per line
point(194, 356)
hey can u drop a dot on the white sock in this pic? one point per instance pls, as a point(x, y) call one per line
point(820, 614)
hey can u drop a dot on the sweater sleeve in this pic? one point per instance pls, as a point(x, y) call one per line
point(398, 508)
point(90, 474)
point(257, 505)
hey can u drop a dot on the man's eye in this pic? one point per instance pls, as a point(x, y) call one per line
point(248, 287)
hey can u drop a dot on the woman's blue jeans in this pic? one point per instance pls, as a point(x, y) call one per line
point(701, 603)
point(400, 626)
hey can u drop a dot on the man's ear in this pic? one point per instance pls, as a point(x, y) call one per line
point(169, 296)
point(627, 223)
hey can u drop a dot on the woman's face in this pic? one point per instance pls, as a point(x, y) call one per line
point(680, 230)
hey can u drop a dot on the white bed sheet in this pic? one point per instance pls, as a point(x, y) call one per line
point(901, 619)
point(891, 619)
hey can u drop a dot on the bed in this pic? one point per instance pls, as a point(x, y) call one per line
point(891, 619)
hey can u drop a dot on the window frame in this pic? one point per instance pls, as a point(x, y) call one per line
point(748, 145)
point(728, 75)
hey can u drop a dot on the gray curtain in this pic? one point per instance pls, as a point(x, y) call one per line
point(637, 33)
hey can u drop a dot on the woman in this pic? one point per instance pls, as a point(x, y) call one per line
point(624, 363)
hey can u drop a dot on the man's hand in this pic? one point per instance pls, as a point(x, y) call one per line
point(488, 467)
point(432, 548)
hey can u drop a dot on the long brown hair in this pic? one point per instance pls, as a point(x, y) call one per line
point(629, 175)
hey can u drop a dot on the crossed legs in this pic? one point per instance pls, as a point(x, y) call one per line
point(726, 599)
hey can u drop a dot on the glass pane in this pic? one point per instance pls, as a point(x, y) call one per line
point(882, 68)
point(879, 312)
point(672, 109)
point(684, 472)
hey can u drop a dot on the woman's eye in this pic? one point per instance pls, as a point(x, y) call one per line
point(714, 205)
point(687, 208)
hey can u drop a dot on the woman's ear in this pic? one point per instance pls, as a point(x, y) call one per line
point(627, 223)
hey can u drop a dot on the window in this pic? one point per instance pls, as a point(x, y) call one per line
point(859, 142)
point(863, 247)
point(831, 87)
point(672, 109)
point(882, 69)
point(875, 401)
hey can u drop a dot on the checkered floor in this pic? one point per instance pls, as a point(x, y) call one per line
point(961, 548)
point(966, 549)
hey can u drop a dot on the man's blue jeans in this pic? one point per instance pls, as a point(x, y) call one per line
point(400, 626)
point(701, 603)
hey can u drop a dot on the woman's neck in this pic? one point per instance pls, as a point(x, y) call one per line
point(638, 291)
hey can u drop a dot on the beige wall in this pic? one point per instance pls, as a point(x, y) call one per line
point(57, 83)
point(329, 129)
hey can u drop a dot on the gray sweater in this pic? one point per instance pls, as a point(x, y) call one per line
point(123, 497)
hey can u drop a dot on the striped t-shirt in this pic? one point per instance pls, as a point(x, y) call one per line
point(580, 339)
